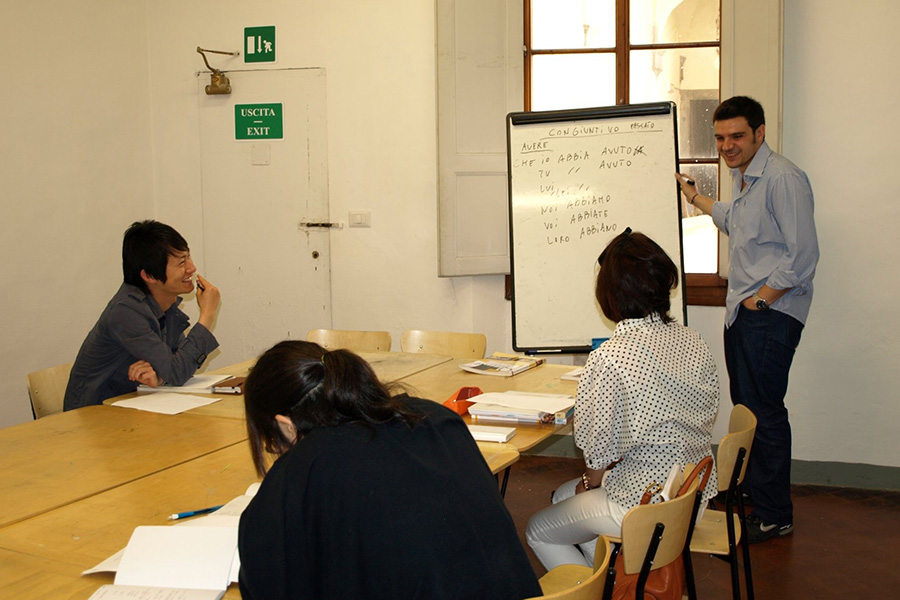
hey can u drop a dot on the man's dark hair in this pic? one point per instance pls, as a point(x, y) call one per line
point(147, 246)
point(741, 106)
point(635, 278)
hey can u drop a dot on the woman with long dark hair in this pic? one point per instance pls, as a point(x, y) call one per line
point(372, 495)
point(647, 400)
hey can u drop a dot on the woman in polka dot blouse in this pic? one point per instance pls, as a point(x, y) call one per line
point(647, 400)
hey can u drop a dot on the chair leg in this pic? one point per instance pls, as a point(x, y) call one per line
point(733, 558)
point(505, 481)
point(648, 560)
point(745, 546)
point(734, 493)
point(686, 553)
point(610, 581)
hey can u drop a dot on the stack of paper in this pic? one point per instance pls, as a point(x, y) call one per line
point(485, 433)
point(502, 364)
point(522, 407)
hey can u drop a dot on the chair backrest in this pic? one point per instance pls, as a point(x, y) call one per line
point(448, 343)
point(47, 388)
point(741, 429)
point(591, 588)
point(639, 524)
point(356, 341)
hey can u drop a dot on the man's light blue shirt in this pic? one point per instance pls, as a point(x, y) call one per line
point(771, 234)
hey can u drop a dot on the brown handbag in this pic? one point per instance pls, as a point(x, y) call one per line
point(667, 582)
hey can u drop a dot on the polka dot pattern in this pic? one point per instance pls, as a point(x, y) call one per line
point(648, 399)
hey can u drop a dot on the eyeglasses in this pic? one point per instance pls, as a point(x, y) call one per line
point(626, 233)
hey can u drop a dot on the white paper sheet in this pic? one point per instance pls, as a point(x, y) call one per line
point(131, 592)
point(166, 403)
point(110, 565)
point(179, 557)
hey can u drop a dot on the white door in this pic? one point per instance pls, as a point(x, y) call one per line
point(274, 275)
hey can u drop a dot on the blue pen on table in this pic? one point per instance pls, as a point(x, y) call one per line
point(194, 513)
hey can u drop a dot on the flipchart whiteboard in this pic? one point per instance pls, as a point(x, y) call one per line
point(578, 178)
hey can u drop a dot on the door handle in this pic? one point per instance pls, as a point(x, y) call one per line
point(320, 225)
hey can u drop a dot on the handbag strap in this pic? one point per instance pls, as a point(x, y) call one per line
point(704, 466)
point(650, 491)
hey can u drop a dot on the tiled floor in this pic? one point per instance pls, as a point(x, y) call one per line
point(846, 542)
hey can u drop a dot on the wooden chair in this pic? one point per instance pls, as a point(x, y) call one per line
point(355, 341)
point(459, 345)
point(47, 388)
point(578, 582)
point(716, 533)
point(654, 535)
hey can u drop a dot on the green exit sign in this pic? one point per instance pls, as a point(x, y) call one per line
point(258, 121)
point(259, 44)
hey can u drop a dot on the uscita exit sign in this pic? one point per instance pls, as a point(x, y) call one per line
point(259, 121)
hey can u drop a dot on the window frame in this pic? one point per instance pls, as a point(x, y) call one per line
point(704, 289)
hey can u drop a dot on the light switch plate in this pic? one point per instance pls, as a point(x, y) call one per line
point(360, 218)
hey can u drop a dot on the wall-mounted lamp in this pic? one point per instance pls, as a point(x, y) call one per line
point(218, 82)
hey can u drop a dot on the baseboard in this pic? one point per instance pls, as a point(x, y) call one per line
point(854, 475)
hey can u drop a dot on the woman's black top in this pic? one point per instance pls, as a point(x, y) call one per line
point(395, 512)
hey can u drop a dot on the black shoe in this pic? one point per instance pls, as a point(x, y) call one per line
point(757, 531)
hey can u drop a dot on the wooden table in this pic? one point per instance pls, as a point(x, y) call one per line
point(439, 382)
point(26, 577)
point(85, 532)
point(65, 457)
point(47, 552)
point(75, 485)
point(388, 366)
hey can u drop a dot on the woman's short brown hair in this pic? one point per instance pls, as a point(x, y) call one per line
point(635, 279)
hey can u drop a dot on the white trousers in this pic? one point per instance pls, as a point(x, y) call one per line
point(565, 533)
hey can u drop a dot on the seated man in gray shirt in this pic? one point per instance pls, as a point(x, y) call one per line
point(139, 337)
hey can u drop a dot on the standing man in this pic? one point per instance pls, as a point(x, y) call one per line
point(774, 250)
point(139, 337)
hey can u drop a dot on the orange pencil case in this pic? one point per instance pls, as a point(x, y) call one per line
point(459, 402)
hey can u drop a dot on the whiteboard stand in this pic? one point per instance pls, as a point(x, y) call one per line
point(577, 179)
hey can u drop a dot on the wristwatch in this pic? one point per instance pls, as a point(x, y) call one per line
point(761, 303)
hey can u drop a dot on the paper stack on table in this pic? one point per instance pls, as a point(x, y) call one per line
point(502, 364)
point(486, 433)
point(523, 407)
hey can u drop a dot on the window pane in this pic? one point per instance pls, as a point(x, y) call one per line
point(572, 81)
point(674, 21)
point(689, 77)
point(701, 241)
point(570, 24)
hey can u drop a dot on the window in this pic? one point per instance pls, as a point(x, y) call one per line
point(581, 53)
point(480, 78)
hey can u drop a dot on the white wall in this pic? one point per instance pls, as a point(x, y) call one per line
point(840, 125)
point(79, 167)
point(75, 172)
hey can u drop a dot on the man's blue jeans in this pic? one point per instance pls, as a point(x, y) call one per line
point(759, 349)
